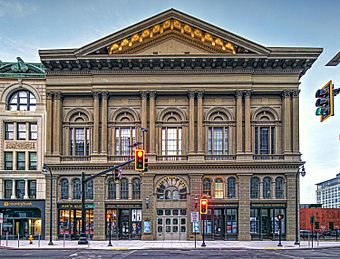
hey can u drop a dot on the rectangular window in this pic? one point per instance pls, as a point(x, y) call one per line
point(79, 142)
point(21, 131)
point(171, 141)
point(20, 160)
point(124, 137)
point(32, 189)
point(20, 189)
point(331, 225)
point(8, 161)
point(33, 161)
point(33, 133)
point(231, 220)
point(9, 131)
point(8, 189)
point(317, 225)
point(218, 141)
point(219, 192)
point(264, 140)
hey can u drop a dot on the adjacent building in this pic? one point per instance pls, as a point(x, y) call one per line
point(222, 120)
point(22, 142)
point(328, 193)
point(325, 219)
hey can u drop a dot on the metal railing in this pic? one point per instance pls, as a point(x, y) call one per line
point(172, 158)
point(268, 157)
point(75, 158)
point(220, 157)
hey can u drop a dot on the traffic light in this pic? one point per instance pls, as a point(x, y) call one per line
point(139, 159)
point(146, 164)
point(204, 206)
point(325, 101)
point(108, 217)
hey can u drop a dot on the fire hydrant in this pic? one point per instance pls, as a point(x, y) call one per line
point(31, 239)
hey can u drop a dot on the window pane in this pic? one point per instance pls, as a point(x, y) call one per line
point(264, 140)
point(20, 189)
point(20, 160)
point(32, 185)
point(76, 189)
point(33, 131)
point(8, 161)
point(80, 140)
point(9, 131)
point(64, 189)
point(21, 131)
point(8, 189)
point(33, 161)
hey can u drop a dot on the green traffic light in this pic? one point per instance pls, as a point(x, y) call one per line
point(318, 111)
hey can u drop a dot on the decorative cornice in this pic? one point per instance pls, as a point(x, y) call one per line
point(21, 69)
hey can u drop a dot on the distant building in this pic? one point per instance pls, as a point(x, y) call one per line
point(324, 219)
point(328, 193)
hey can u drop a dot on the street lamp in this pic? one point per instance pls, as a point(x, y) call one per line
point(301, 171)
point(44, 171)
point(147, 201)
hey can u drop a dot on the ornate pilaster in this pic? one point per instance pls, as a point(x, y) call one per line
point(244, 206)
point(239, 141)
point(286, 122)
point(296, 146)
point(95, 122)
point(49, 123)
point(200, 122)
point(57, 124)
point(144, 97)
point(104, 123)
point(152, 129)
point(191, 122)
point(247, 128)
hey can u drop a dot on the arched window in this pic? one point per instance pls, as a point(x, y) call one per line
point(254, 188)
point(267, 188)
point(76, 189)
point(279, 188)
point(22, 100)
point(124, 189)
point(89, 190)
point(79, 134)
point(171, 188)
point(136, 188)
point(207, 187)
point(111, 189)
point(64, 189)
point(231, 188)
point(219, 188)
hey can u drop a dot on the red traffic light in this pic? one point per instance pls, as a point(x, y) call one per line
point(108, 216)
point(204, 206)
point(280, 217)
point(139, 159)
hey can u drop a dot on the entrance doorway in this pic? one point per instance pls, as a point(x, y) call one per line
point(171, 224)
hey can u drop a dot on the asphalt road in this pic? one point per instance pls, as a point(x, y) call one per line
point(42, 254)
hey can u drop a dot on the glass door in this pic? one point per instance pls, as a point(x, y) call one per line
point(266, 224)
point(125, 224)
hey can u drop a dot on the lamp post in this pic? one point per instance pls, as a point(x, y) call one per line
point(301, 171)
point(109, 217)
point(44, 171)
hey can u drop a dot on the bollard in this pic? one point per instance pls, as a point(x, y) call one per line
point(39, 241)
point(30, 239)
point(6, 238)
point(88, 238)
point(64, 240)
point(18, 240)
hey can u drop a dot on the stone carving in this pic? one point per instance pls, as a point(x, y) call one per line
point(20, 145)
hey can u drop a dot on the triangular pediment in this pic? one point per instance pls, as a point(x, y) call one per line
point(172, 32)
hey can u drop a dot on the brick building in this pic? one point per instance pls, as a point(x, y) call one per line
point(326, 219)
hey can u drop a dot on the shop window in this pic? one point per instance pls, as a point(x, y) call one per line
point(8, 189)
point(32, 189)
point(89, 190)
point(254, 188)
point(22, 100)
point(207, 187)
point(33, 160)
point(9, 130)
point(76, 189)
point(21, 131)
point(124, 189)
point(172, 141)
point(124, 138)
point(8, 161)
point(279, 188)
point(267, 188)
point(20, 160)
point(218, 141)
point(64, 189)
point(219, 189)
point(231, 188)
point(254, 221)
point(111, 189)
point(136, 188)
point(231, 221)
point(20, 189)
point(33, 131)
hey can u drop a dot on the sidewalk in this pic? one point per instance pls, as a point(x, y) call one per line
point(147, 245)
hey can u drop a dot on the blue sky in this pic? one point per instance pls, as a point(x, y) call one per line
point(27, 26)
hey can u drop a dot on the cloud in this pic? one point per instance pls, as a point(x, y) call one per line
point(17, 8)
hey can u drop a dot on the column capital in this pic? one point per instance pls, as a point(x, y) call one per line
point(105, 95)
point(143, 94)
point(191, 94)
point(49, 95)
point(95, 94)
point(57, 95)
point(295, 93)
point(238, 94)
point(152, 94)
point(285, 94)
point(200, 94)
point(247, 94)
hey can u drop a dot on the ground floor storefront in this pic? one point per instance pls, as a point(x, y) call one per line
point(22, 218)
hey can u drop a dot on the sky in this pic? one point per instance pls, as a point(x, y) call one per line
point(27, 26)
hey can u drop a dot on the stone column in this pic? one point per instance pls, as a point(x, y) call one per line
point(13, 196)
point(57, 121)
point(104, 143)
point(296, 146)
point(49, 123)
point(99, 211)
point(95, 122)
point(247, 127)
point(291, 209)
point(200, 122)
point(54, 208)
point(244, 207)
point(148, 212)
point(239, 130)
point(286, 122)
point(152, 129)
point(144, 116)
point(191, 122)
point(26, 189)
point(130, 189)
point(195, 192)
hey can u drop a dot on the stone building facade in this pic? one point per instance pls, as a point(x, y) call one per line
point(222, 115)
point(22, 142)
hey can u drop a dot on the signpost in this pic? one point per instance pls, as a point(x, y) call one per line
point(195, 224)
point(312, 221)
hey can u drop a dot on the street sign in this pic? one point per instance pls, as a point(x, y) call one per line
point(194, 216)
point(1, 218)
point(195, 227)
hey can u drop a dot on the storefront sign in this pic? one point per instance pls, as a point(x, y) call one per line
point(17, 204)
point(7, 204)
point(123, 206)
point(195, 227)
point(194, 216)
point(75, 206)
point(147, 226)
point(274, 205)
